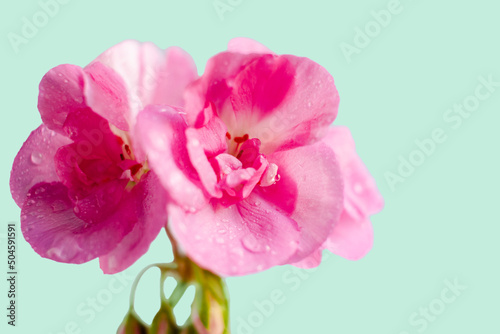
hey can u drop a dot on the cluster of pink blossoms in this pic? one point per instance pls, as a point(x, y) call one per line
point(241, 162)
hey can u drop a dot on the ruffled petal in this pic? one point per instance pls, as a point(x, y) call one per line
point(151, 219)
point(67, 89)
point(34, 162)
point(361, 196)
point(244, 238)
point(61, 92)
point(159, 133)
point(310, 191)
point(285, 101)
point(49, 224)
point(151, 75)
point(352, 237)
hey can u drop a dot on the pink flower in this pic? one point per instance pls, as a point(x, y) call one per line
point(251, 181)
point(83, 188)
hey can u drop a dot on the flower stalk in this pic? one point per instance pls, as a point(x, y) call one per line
point(209, 310)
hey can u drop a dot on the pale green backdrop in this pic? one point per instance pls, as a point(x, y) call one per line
point(440, 226)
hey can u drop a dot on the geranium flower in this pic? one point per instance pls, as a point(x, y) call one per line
point(83, 188)
point(251, 183)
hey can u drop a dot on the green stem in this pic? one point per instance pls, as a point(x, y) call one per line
point(177, 293)
point(164, 267)
point(175, 248)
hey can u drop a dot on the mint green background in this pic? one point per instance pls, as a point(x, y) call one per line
point(441, 223)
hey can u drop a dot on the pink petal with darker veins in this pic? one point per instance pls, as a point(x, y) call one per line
point(34, 162)
point(244, 238)
point(49, 224)
point(152, 217)
point(285, 101)
point(106, 94)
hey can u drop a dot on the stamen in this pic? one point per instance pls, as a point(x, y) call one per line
point(135, 168)
point(240, 140)
point(127, 148)
point(228, 135)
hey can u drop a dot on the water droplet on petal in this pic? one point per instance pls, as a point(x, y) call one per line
point(76, 209)
point(58, 206)
point(254, 245)
point(222, 231)
point(36, 158)
point(219, 240)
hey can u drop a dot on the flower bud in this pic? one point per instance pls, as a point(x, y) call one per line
point(132, 325)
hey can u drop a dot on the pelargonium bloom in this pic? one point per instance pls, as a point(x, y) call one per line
point(251, 180)
point(83, 188)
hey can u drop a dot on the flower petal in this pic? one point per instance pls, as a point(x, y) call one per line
point(310, 191)
point(246, 46)
point(151, 75)
point(34, 162)
point(49, 224)
point(243, 238)
point(312, 261)
point(61, 92)
point(352, 238)
point(106, 94)
point(361, 196)
point(151, 219)
point(285, 101)
point(159, 133)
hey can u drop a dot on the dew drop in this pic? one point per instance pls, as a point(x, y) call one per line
point(219, 240)
point(222, 231)
point(58, 206)
point(36, 158)
point(251, 243)
point(38, 191)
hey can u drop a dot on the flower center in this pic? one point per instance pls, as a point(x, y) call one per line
point(243, 167)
